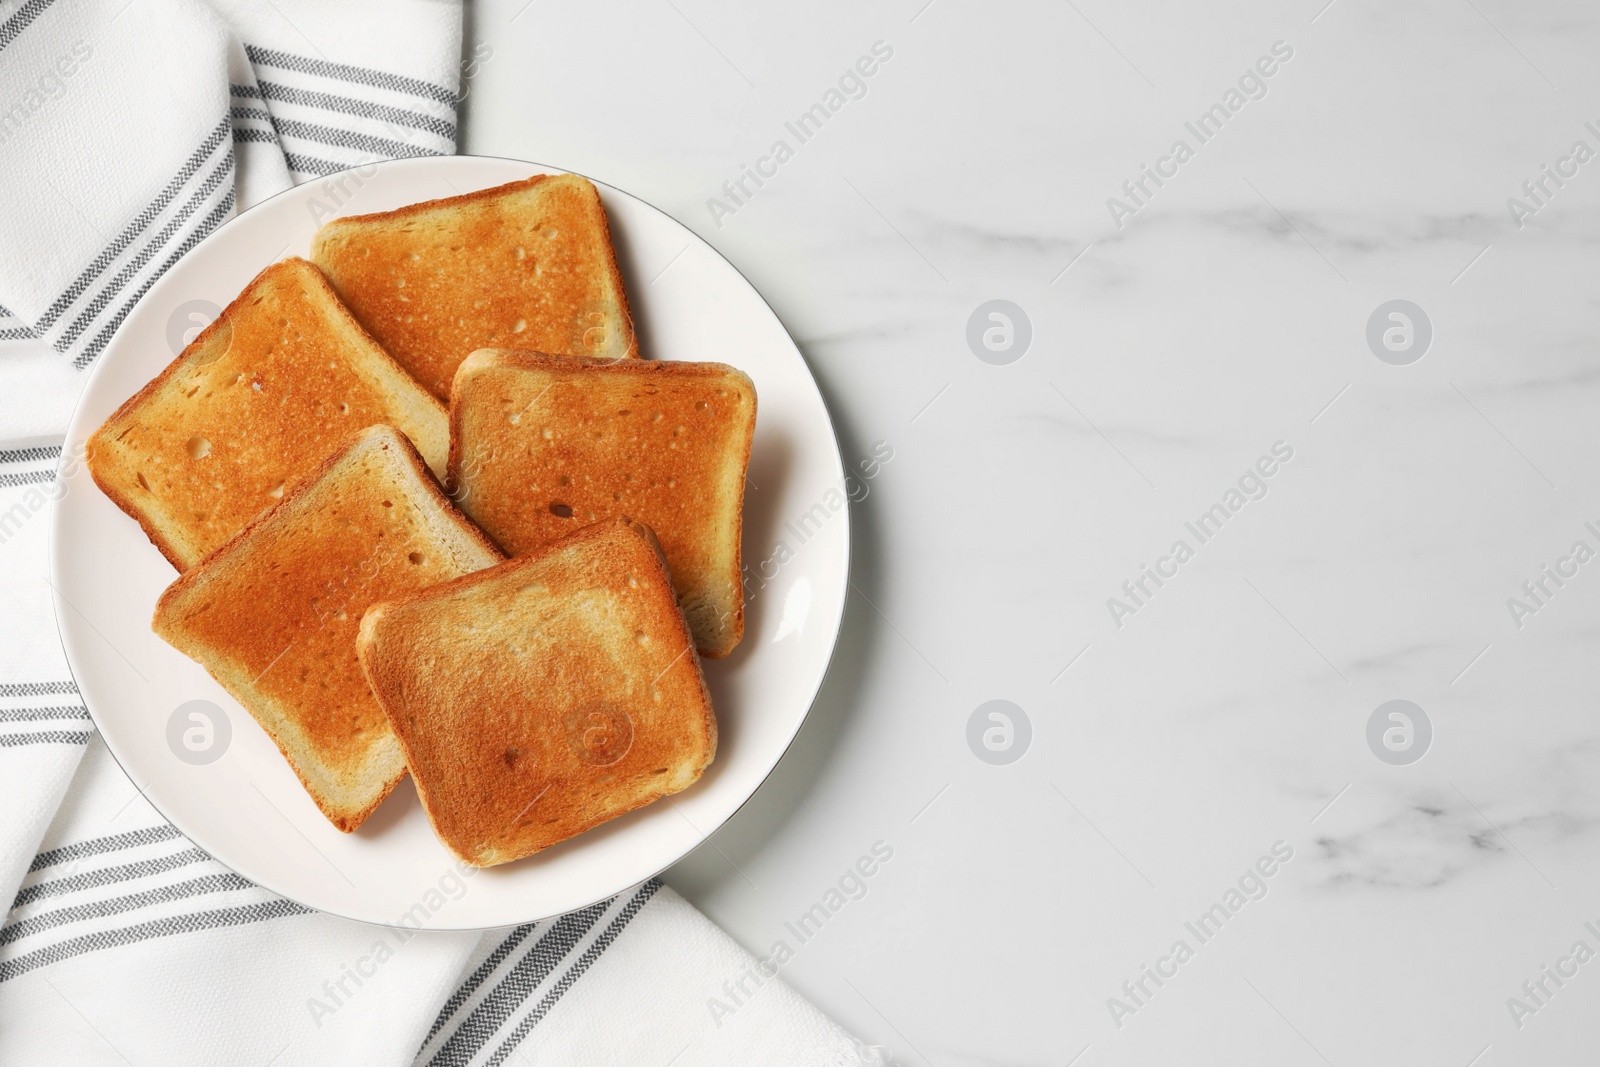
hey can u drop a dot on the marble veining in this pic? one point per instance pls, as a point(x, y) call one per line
point(1231, 311)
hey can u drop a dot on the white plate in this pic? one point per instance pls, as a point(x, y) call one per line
point(247, 808)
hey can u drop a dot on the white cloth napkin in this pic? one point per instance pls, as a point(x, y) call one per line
point(129, 129)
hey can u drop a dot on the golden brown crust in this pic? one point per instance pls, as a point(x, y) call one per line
point(273, 614)
point(527, 262)
point(273, 408)
point(583, 700)
point(541, 445)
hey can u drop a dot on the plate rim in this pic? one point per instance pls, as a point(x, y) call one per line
point(53, 545)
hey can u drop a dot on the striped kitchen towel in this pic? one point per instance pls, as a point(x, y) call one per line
point(129, 130)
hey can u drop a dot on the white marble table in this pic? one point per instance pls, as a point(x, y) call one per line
point(1175, 341)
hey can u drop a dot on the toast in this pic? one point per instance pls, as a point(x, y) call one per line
point(273, 614)
point(544, 696)
point(262, 396)
point(541, 445)
point(527, 264)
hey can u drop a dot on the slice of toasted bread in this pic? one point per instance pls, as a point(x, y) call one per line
point(260, 398)
point(273, 614)
point(541, 445)
point(540, 698)
point(527, 264)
